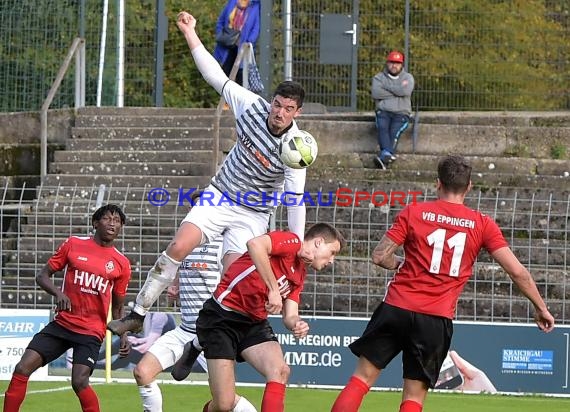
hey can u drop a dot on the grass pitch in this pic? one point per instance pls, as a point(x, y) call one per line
point(58, 396)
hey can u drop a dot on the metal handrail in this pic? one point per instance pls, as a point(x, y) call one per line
point(78, 49)
point(244, 51)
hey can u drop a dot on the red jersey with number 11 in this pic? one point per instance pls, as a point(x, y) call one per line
point(92, 274)
point(441, 241)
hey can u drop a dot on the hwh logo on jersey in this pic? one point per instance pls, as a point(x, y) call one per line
point(284, 287)
point(91, 281)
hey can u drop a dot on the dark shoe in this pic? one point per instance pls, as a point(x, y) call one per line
point(182, 368)
point(133, 322)
point(387, 157)
point(379, 163)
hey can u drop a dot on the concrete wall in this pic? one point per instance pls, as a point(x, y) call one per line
point(20, 139)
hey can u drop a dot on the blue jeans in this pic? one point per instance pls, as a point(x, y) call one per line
point(390, 127)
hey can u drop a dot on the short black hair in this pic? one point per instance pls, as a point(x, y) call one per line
point(454, 173)
point(113, 209)
point(328, 232)
point(291, 90)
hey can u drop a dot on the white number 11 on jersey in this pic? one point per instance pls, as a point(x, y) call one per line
point(455, 242)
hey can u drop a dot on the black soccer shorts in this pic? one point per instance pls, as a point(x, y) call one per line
point(54, 340)
point(225, 334)
point(423, 340)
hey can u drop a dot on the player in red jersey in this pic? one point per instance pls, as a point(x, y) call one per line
point(95, 273)
point(233, 325)
point(441, 240)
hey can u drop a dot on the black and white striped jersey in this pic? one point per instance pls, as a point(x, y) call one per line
point(199, 274)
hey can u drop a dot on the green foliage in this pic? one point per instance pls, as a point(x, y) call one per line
point(559, 151)
point(464, 54)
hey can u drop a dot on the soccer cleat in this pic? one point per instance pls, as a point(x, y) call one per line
point(183, 366)
point(133, 322)
point(379, 163)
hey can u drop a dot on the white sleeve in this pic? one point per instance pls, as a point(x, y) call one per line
point(295, 183)
point(210, 68)
point(296, 220)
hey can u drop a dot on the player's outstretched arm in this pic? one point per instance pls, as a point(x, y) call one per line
point(523, 279)
point(205, 62)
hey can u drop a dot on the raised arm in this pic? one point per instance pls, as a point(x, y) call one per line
point(205, 62)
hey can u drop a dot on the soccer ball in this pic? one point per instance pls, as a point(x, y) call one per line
point(298, 150)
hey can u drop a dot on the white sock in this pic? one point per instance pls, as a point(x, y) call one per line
point(243, 405)
point(159, 277)
point(151, 397)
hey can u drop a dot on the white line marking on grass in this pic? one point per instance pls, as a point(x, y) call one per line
point(63, 388)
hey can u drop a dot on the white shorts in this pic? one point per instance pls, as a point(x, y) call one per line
point(169, 347)
point(238, 223)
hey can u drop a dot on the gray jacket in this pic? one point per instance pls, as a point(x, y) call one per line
point(391, 94)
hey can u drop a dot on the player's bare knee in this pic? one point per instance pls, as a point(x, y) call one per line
point(285, 372)
point(79, 383)
point(23, 369)
point(279, 374)
point(142, 375)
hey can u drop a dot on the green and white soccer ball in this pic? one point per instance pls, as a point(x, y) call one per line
point(298, 150)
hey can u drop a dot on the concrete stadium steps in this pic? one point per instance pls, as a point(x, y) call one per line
point(145, 168)
point(163, 120)
point(132, 191)
point(135, 218)
point(331, 178)
point(486, 138)
point(473, 118)
point(142, 132)
point(140, 156)
point(133, 247)
point(85, 207)
point(149, 145)
point(75, 180)
point(83, 228)
point(481, 164)
point(358, 286)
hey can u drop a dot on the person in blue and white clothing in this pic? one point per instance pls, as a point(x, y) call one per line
point(242, 15)
point(197, 278)
point(253, 165)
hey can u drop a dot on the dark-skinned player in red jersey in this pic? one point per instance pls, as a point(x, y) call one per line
point(441, 240)
point(95, 273)
point(232, 325)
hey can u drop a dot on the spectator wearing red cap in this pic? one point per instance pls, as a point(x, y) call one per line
point(392, 93)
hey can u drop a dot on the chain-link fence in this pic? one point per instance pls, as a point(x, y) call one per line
point(507, 55)
point(535, 224)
